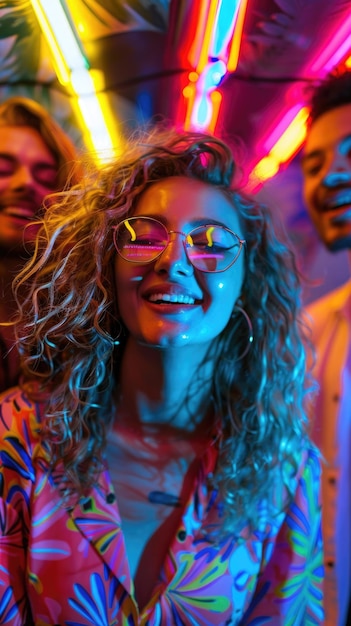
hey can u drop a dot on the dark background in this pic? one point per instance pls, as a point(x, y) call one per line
point(140, 47)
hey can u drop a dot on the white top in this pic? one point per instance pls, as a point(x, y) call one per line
point(148, 474)
point(331, 327)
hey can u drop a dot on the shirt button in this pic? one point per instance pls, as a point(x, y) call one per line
point(87, 505)
point(330, 564)
point(336, 397)
point(182, 535)
point(110, 498)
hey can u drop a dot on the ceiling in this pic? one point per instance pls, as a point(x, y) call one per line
point(142, 46)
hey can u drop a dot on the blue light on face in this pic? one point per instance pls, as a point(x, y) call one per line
point(136, 278)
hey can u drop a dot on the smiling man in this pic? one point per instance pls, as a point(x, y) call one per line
point(326, 166)
point(36, 159)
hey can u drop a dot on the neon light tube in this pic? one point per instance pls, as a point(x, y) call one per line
point(72, 69)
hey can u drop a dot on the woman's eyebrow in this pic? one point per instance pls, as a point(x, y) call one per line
point(192, 223)
point(317, 152)
point(308, 156)
point(6, 156)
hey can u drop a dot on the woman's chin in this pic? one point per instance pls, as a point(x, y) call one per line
point(166, 341)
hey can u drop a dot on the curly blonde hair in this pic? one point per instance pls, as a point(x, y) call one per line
point(69, 324)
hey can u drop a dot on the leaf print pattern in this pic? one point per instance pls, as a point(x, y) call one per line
point(68, 565)
point(92, 606)
point(8, 610)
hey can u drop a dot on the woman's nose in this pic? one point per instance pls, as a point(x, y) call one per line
point(22, 178)
point(173, 259)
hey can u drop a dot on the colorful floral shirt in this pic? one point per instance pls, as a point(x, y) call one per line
point(69, 566)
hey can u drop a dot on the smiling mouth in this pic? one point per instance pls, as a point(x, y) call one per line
point(341, 201)
point(166, 298)
point(342, 218)
point(20, 214)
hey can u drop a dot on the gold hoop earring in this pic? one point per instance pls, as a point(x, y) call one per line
point(251, 335)
point(234, 330)
point(116, 340)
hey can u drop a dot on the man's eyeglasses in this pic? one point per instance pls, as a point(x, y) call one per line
point(209, 248)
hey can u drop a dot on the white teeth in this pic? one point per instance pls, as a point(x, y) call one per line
point(166, 297)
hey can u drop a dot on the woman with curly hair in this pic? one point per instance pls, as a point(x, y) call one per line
point(156, 467)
